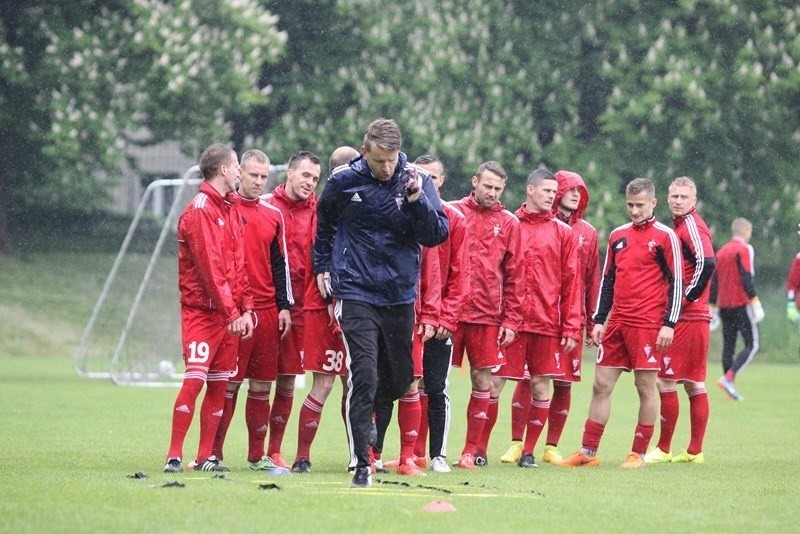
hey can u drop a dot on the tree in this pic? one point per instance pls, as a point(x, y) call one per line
point(613, 89)
point(80, 79)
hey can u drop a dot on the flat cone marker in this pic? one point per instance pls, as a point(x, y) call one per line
point(439, 506)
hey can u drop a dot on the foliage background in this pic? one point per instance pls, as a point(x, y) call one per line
point(612, 89)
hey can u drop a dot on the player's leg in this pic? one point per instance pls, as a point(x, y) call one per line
point(290, 364)
point(645, 382)
point(437, 358)
point(752, 342)
point(669, 411)
point(360, 332)
point(560, 404)
point(309, 419)
point(495, 390)
point(231, 396)
point(698, 415)
point(223, 363)
point(408, 417)
point(537, 418)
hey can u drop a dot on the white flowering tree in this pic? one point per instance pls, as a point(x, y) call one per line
point(612, 89)
point(78, 78)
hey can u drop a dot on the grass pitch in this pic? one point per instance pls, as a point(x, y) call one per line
point(71, 444)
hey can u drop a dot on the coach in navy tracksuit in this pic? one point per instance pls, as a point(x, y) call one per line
point(372, 217)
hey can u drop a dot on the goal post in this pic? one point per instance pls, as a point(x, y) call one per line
point(133, 336)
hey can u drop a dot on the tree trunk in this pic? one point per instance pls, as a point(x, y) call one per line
point(5, 235)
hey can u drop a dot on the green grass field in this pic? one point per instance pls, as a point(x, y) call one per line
point(70, 444)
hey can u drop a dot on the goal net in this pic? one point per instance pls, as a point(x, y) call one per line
point(133, 336)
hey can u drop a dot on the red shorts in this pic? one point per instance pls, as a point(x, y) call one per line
point(258, 355)
point(206, 342)
point(685, 359)
point(629, 348)
point(290, 358)
point(324, 350)
point(480, 343)
point(571, 362)
point(541, 354)
point(417, 350)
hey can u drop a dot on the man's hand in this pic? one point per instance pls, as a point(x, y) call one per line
point(324, 285)
point(426, 331)
point(242, 326)
point(443, 333)
point(664, 339)
point(413, 185)
point(284, 323)
point(505, 336)
point(757, 309)
point(597, 334)
point(568, 344)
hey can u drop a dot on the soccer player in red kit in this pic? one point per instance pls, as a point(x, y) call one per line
point(569, 206)
point(216, 304)
point(265, 260)
point(640, 295)
point(551, 320)
point(437, 355)
point(323, 347)
point(792, 290)
point(492, 312)
point(296, 201)
point(733, 290)
point(685, 359)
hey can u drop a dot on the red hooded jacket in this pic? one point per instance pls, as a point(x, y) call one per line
point(492, 265)
point(298, 217)
point(451, 263)
point(587, 241)
point(211, 265)
point(551, 304)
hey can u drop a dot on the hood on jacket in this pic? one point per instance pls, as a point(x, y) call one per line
point(566, 181)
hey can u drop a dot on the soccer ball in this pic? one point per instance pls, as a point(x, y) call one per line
point(166, 368)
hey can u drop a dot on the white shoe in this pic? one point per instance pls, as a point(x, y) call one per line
point(439, 465)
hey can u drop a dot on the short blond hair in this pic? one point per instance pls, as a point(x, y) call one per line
point(684, 181)
point(384, 133)
point(741, 226)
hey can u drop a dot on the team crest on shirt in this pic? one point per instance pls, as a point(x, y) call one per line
point(496, 230)
point(648, 351)
point(581, 239)
point(652, 245)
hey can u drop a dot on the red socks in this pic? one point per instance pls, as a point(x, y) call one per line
point(641, 438)
point(559, 410)
point(310, 416)
point(183, 412)
point(281, 408)
point(592, 434)
point(698, 413)
point(422, 437)
point(520, 404)
point(537, 417)
point(256, 415)
point(477, 415)
point(491, 414)
point(408, 416)
point(211, 412)
point(670, 408)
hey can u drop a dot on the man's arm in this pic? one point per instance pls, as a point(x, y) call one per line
point(202, 237)
point(428, 221)
point(701, 250)
point(605, 296)
point(329, 213)
point(744, 265)
point(671, 263)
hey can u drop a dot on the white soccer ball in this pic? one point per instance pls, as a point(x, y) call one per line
point(166, 368)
